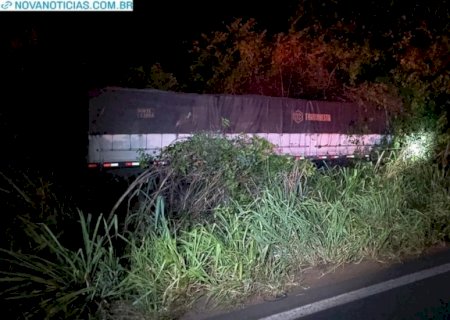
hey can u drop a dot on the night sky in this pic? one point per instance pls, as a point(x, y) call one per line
point(157, 31)
point(101, 45)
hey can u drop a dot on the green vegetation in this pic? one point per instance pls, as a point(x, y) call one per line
point(226, 229)
point(66, 283)
point(339, 51)
point(228, 218)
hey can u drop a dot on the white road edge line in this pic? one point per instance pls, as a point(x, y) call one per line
point(362, 293)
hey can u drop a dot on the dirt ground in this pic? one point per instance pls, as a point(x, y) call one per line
point(309, 278)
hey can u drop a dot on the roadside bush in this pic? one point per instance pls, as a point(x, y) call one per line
point(304, 217)
point(205, 171)
point(225, 219)
point(30, 197)
point(58, 282)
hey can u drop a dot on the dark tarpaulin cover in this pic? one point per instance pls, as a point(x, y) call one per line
point(144, 111)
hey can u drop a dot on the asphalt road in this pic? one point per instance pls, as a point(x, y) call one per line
point(418, 289)
point(425, 299)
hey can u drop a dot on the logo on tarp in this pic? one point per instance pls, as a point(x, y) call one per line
point(297, 116)
point(324, 117)
point(145, 113)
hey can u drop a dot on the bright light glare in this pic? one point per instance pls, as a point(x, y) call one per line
point(419, 146)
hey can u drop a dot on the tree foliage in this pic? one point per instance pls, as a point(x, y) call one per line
point(384, 54)
point(231, 61)
point(152, 77)
point(306, 63)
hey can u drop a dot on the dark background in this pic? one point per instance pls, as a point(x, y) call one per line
point(49, 60)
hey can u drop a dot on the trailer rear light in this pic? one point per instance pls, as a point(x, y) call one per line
point(110, 165)
point(132, 164)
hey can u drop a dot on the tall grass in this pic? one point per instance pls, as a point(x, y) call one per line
point(223, 233)
point(219, 258)
point(58, 282)
point(334, 216)
point(30, 197)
